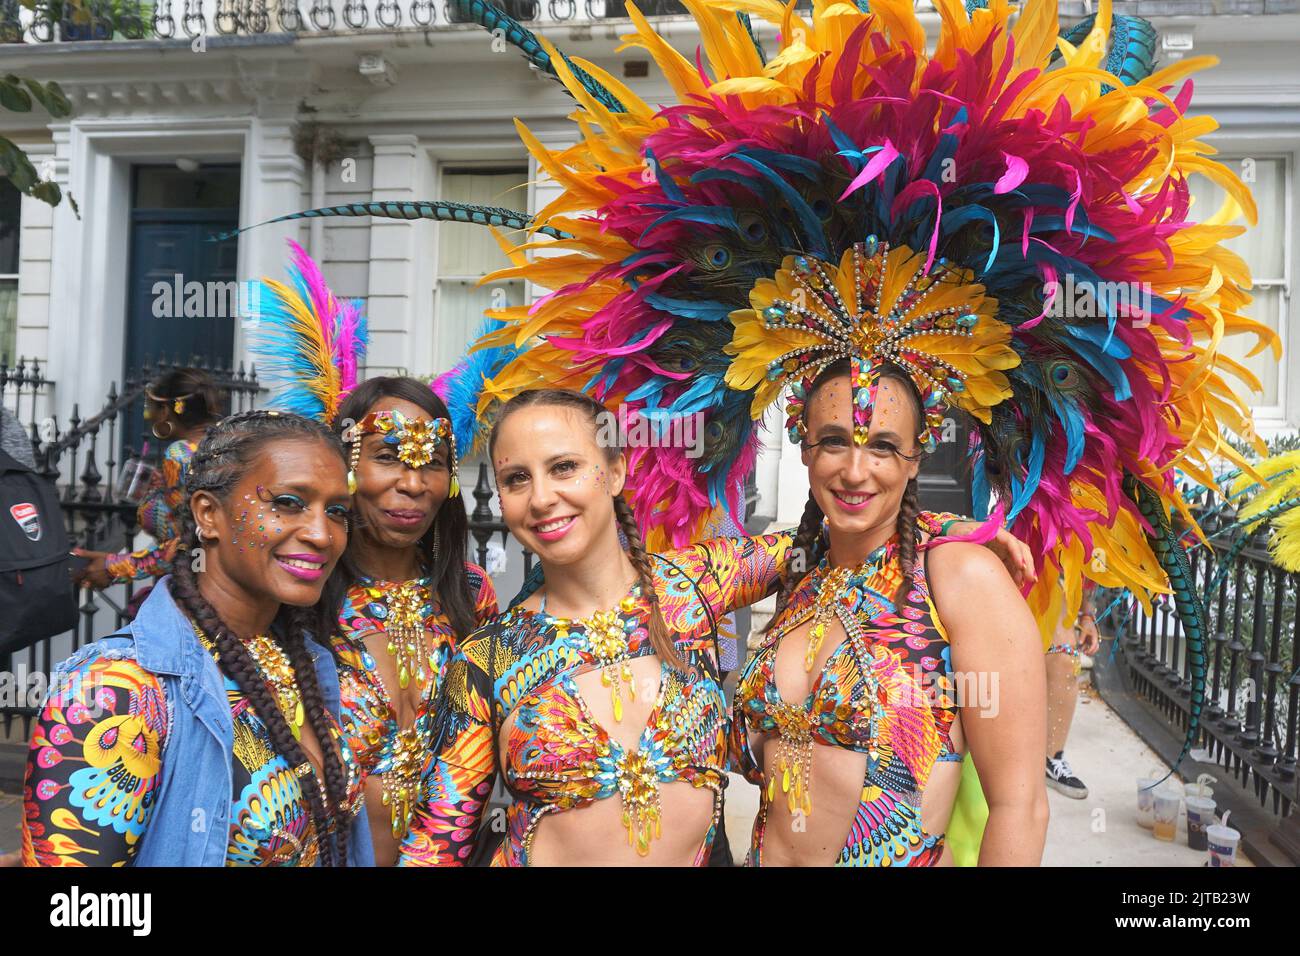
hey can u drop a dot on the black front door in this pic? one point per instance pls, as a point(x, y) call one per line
point(945, 476)
point(180, 296)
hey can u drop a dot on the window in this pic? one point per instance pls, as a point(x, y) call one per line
point(1267, 250)
point(10, 225)
point(466, 253)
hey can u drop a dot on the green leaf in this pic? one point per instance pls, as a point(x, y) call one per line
point(51, 96)
point(12, 97)
point(16, 167)
point(47, 190)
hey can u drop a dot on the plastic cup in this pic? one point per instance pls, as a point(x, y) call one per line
point(1146, 795)
point(1165, 813)
point(1222, 844)
point(1200, 815)
point(134, 480)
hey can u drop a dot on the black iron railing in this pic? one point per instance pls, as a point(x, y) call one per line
point(83, 461)
point(1249, 724)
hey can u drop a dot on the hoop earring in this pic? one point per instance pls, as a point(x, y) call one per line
point(171, 430)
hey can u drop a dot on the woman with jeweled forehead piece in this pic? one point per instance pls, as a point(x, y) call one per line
point(404, 592)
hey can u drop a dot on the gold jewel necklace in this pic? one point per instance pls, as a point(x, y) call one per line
point(404, 628)
point(607, 641)
point(794, 723)
point(276, 668)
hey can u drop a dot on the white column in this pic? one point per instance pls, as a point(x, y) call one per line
point(273, 181)
point(395, 252)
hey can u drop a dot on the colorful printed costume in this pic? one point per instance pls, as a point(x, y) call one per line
point(515, 677)
point(158, 515)
point(1008, 217)
point(383, 748)
point(97, 764)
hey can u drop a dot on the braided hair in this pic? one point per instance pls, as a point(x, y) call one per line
point(808, 539)
point(660, 639)
point(221, 460)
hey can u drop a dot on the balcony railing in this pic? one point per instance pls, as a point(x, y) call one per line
point(185, 19)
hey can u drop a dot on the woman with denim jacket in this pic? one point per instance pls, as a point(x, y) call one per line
point(206, 732)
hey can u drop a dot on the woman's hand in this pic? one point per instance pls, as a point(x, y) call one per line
point(11, 859)
point(1089, 638)
point(95, 574)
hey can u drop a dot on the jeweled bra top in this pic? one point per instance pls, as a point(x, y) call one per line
point(885, 691)
point(556, 755)
point(421, 637)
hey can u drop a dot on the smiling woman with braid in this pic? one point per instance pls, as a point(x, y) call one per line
point(206, 733)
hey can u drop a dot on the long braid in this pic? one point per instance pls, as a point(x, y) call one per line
point(336, 779)
point(807, 544)
point(222, 457)
point(908, 509)
point(660, 639)
point(234, 660)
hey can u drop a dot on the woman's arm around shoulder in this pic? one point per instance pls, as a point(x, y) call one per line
point(1001, 689)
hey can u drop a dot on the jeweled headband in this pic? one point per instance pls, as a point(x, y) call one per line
point(879, 306)
point(416, 441)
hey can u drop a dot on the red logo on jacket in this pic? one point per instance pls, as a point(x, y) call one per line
point(28, 518)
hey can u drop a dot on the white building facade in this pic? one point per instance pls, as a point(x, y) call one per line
point(286, 121)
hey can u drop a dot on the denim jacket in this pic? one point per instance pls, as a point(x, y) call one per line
point(190, 825)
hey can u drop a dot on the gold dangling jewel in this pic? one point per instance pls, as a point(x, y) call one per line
point(404, 627)
point(276, 668)
point(401, 782)
point(638, 788)
point(607, 640)
point(793, 758)
point(828, 593)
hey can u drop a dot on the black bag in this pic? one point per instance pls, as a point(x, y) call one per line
point(37, 597)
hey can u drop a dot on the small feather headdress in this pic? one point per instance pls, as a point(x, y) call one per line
point(308, 343)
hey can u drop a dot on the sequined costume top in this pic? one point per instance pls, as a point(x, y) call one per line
point(158, 515)
point(400, 754)
point(95, 767)
point(556, 756)
point(885, 691)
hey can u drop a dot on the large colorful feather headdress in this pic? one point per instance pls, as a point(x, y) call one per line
point(1038, 180)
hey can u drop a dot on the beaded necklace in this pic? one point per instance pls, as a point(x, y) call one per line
point(606, 634)
point(794, 723)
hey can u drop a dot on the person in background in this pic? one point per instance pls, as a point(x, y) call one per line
point(1069, 645)
point(179, 407)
